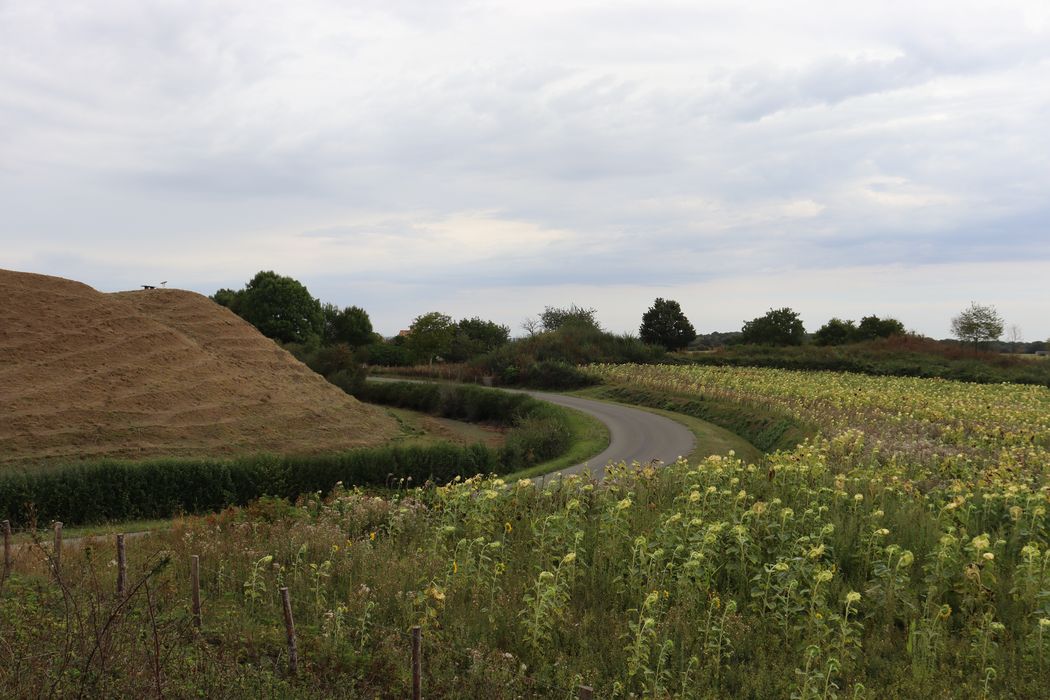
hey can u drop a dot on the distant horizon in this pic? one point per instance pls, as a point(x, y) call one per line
point(493, 159)
point(387, 330)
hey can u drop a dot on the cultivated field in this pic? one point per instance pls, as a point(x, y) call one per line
point(157, 373)
point(903, 553)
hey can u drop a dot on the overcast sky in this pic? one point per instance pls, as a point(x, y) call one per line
point(491, 158)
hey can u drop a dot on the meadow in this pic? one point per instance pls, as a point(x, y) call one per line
point(902, 551)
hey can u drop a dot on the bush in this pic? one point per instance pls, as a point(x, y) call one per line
point(539, 431)
point(552, 374)
point(387, 355)
point(113, 490)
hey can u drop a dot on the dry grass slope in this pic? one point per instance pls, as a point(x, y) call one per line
point(164, 372)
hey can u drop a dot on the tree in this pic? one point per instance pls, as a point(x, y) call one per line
point(554, 318)
point(977, 324)
point(430, 336)
point(475, 336)
point(666, 325)
point(229, 298)
point(872, 327)
point(836, 332)
point(350, 325)
point(281, 308)
point(777, 327)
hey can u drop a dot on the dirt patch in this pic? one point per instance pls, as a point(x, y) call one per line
point(162, 372)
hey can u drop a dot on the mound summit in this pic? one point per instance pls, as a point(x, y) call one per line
point(156, 373)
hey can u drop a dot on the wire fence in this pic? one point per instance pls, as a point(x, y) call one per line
point(47, 546)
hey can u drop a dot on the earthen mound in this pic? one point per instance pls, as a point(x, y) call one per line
point(156, 373)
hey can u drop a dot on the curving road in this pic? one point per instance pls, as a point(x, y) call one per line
point(634, 435)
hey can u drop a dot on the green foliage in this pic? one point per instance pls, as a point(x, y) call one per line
point(538, 431)
point(280, 307)
point(386, 354)
point(115, 490)
point(542, 360)
point(475, 336)
point(351, 325)
point(839, 332)
point(554, 318)
point(777, 327)
point(229, 298)
point(872, 327)
point(902, 356)
point(836, 332)
point(430, 336)
point(665, 324)
point(977, 324)
point(814, 575)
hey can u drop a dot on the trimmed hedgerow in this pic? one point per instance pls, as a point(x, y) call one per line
point(120, 490)
point(116, 490)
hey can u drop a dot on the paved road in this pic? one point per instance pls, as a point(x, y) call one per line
point(635, 436)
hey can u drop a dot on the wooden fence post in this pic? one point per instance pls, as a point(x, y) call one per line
point(289, 628)
point(7, 546)
point(586, 692)
point(195, 586)
point(58, 549)
point(122, 566)
point(417, 663)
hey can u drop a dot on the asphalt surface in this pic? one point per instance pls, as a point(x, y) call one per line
point(634, 435)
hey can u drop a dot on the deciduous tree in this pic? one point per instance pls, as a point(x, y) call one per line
point(977, 324)
point(777, 327)
point(666, 325)
point(281, 308)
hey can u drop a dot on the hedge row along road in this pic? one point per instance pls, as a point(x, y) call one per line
point(634, 435)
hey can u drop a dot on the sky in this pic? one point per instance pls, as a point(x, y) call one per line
point(494, 158)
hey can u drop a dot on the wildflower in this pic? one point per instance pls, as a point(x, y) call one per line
point(624, 504)
point(858, 497)
point(988, 556)
point(694, 497)
point(524, 483)
point(980, 543)
point(372, 536)
point(1044, 622)
point(906, 560)
point(1016, 512)
point(816, 552)
point(569, 558)
point(455, 567)
point(853, 597)
point(781, 567)
point(823, 576)
point(508, 528)
point(882, 532)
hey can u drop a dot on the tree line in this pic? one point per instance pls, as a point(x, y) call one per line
point(334, 339)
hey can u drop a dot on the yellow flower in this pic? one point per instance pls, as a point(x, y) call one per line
point(816, 552)
point(853, 597)
point(372, 536)
point(507, 527)
point(455, 567)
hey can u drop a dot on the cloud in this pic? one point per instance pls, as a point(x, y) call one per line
point(447, 150)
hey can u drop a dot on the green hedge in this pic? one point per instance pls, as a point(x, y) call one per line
point(117, 490)
point(113, 490)
point(538, 430)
